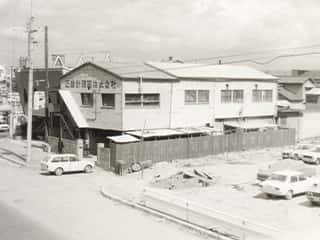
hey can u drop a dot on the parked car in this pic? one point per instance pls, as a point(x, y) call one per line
point(61, 163)
point(313, 194)
point(287, 183)
point(279, 165)
point(312, 156)
point(4, 127)
point(297, 151)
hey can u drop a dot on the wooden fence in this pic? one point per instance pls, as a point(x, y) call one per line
point(184, 148)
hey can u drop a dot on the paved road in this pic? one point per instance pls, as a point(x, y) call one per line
point(72, 206)
point(14, 225)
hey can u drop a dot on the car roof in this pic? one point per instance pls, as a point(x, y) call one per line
point(62, 155)
point(288, 172)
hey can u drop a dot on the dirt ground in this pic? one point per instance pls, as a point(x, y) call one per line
point(233, 188)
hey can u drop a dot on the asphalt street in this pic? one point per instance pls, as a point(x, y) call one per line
point(14, 225)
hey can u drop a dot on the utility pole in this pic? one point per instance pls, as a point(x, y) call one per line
point(46, 55)
point(11, 105)
point(31, 41)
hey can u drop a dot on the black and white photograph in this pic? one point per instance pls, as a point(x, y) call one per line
point(158, 119)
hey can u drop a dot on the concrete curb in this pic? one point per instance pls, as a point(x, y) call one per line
point(170, 218)
point(19, 163)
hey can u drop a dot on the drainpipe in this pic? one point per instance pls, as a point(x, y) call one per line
point(170, 111)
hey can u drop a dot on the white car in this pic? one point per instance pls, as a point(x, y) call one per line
point(297, 151)
point(287, 183)
point(312, 156)
point(4, 127)
point(60, 163)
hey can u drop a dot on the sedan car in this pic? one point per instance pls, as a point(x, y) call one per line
point(312, 156)
point(313, 195)
point(60, 163)
point(287, 183)
point(4, 127)
point(297, 151)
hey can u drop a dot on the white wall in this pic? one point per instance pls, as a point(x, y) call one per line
point(248, 107)
point(310, 125)
point(188, 115)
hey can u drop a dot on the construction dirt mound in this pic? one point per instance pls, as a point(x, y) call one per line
point(185, 179)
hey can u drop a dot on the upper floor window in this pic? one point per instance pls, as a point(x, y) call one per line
point(145, 99)
point(196, 96)
point(261, 95)
point(232, 96)
point(87, 99)
point(108, 100)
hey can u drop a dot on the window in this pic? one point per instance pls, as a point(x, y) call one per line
point(78, 83)
point(56, 159)
point(83, 83)
point(108, 100)
point(237, 96)
point(294, 179)
point(151, 99)
point(196, 96)
point(203, 96)
point(226, 96)
point(302, 178)
point(256, 95)
point(65, 159)
point(229, 96)
point(73, 159)
point(146, 99)
point(311, 98)
point(89, 84)
point(133, 99)
point(67, 83)
point(262, 95)
point(87, 99)
point(190, 96)
point(267, 95)
point(72, 83)
point(94, 84)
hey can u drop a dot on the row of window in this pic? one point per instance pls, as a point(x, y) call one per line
point(237, 95)
point(89, 84)
point(131, 99)
point(190, 97)
point(108, 100)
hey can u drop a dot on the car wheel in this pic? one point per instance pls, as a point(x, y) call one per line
point(296, 157)
point(58, 171)
point(268, 195)
point(88, 169)
point(289, 195)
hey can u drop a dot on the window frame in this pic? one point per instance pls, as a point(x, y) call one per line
point(103, 105)
point(90, 101)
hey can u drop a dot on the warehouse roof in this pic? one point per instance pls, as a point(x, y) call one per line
point(192, 70)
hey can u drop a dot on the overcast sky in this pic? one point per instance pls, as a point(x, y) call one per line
point(155, 29)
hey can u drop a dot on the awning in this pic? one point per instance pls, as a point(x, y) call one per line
point(154, 133)
point(250, 125)
point(74, 109)
point(123, 139)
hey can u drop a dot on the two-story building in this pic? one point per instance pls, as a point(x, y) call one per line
point(95, 101)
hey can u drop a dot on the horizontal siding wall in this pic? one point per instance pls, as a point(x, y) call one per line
point(184, 148)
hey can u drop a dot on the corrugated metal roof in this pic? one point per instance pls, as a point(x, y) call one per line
point(191, 70)
point(154, 133)
point(314, 91)
point(289, 95)
point(123, 138)
point(73, 109)
point(135, 70)
point(293, 80)
point(250, 125)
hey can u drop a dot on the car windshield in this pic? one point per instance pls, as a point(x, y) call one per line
point(278, 177)
point(303, 147)
point(46, 159)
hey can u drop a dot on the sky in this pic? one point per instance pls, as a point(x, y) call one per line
point(142, 30)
